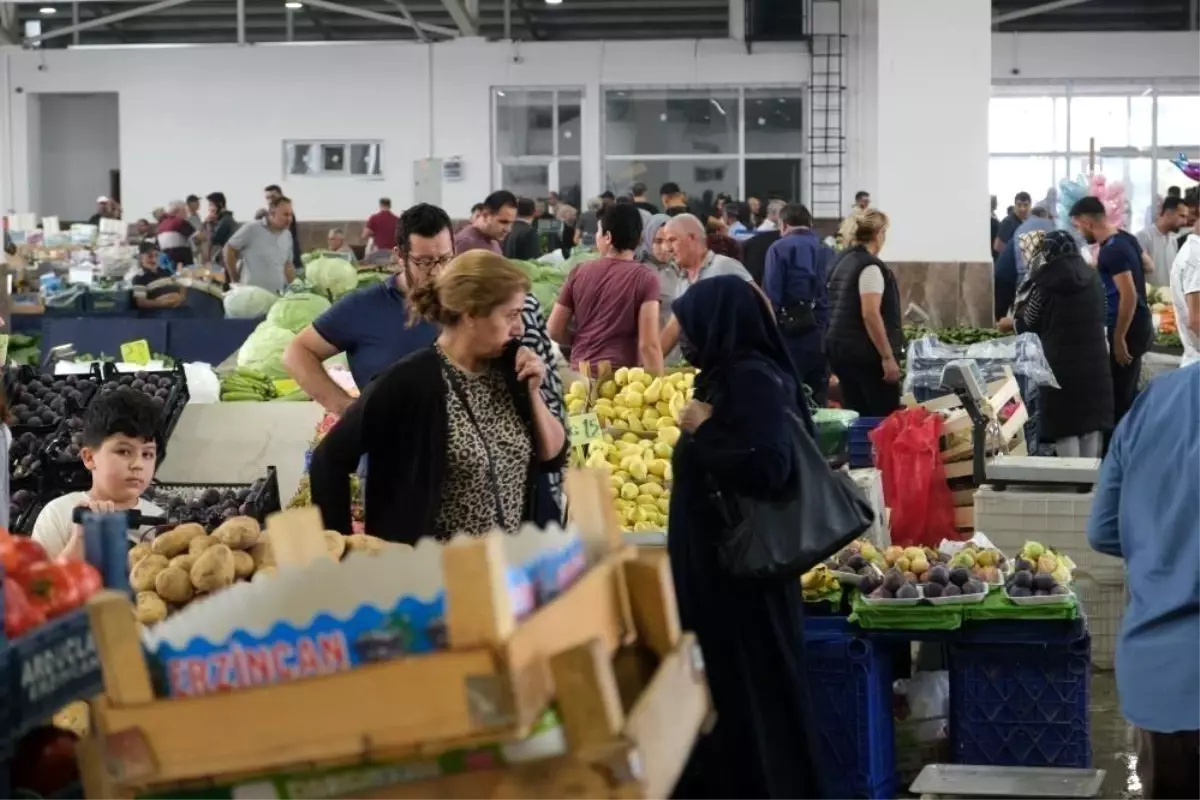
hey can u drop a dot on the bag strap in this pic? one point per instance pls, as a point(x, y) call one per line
point(459, 392)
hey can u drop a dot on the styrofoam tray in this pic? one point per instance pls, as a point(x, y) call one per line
point(956, 600)
point(1046, 600)
point(893, 601)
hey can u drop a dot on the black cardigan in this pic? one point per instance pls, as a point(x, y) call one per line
point(400, 424)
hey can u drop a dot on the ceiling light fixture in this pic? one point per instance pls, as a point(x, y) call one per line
point(293, 4)
point(49, 10)
point(553, 2)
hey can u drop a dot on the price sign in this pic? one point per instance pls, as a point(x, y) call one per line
point(136, 352)
point(285, 386)
point(584, 428)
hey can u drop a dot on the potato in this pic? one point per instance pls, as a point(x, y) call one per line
point(138, 552)
point(243, 564)
point(150, 608)
point(184, 562)
point(145, 571)
point(200, 544)
point(238, 533)
point(335, 543)
point(173, 585)
point(213, 569)
point(262, 553)
point(177, 541)
point(364, 543)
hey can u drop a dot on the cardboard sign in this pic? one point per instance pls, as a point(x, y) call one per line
point(136, 352)
point(584, 428)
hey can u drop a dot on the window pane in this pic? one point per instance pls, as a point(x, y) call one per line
point(569, 104)
point(526, 180)
point(1008, 175)
point(1026, 124)
point(570, 181)
point(768, 178)
point(1141, 125)
point(333, 157)
point(364, 159)
point(302, 159)
point(667, 121)
point(696, 178)
point(1178, 122)
point(1106, 119)
point(524, 123)
point(775, 120)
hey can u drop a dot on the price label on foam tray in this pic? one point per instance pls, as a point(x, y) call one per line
point(136, 352)
point(584, 428)
point(285, 386)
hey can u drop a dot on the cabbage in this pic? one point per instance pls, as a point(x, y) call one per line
point(295, 311)
point(263, 350)
point(248, 302)
point(335, 276)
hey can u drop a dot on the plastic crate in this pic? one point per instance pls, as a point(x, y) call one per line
point(26, 374)
point(849, 680)
point(263, 502)
point(1103, 602)
point(1056, 518)
point(858, 442)
point(101, 302)
point(1021, 705)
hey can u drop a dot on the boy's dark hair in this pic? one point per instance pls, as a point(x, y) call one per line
point(217, 199)
point(191, 198)
point(624, 224)
point(121, 412)
point(424, 220)
point(525, 207)
point(1088, 207)
point(638, 189)
point(1170, 204)
point(498, 200)
point(670, 187)
point(274, 187)
point(1022, 197)
point(795, 215)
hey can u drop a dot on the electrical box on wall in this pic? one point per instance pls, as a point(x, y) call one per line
point(427, 181)
point(452, 169)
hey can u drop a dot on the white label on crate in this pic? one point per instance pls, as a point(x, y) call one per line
point(68, 660)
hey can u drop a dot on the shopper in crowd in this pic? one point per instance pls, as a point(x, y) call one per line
point(193, 212)
point(456, 433)
point(1191, 202)
point(625, 200)
point(795, 283)
point(1160, 241)
point(638, 193)
point(995, 233)
point(106, 208)
point(736, 217)
point(220, 227)
point(613, 301)
point(568, 215)
point(771, 222)
point(1038, 220)
point(736, 433)
point(153, 286)
point(142, 229)
point(1130, 329)
point(687, 244)
point(489, 227)
point(865, 336)
point(369, 325)
point(380, 230)
point(1144, 512)
point(862, 202)
point(1017, 213)
point(260, 253)
point(755, 249)
point(336, 243)
point(1185, 295)
point(120, 449)
point(274, 193)
point(656, 256)
point(756, 211)
point(522, 242)
point(1065, 308)
point(175, 234)
point(724, 245)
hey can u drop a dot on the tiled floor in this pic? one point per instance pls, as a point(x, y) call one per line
point(1112, 741)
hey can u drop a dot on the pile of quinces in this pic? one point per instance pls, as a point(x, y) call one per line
point(633, 400)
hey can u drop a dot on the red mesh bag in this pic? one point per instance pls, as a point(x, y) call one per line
point(907, 452)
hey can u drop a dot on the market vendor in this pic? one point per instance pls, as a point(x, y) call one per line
point(338, 246)
point(369, 325)
point(153, 286)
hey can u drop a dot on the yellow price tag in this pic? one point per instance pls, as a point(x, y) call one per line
point(136, 352)
point(584, 428)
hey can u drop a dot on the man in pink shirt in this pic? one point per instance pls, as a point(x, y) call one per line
point(488, 229)
point(381, 226)
point(613, 300)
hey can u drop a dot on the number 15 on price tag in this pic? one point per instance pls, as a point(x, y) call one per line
point(584, 428)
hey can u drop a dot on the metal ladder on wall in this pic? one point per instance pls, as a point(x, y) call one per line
point(826, 103)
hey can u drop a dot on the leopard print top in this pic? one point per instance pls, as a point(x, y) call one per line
point(469, 500)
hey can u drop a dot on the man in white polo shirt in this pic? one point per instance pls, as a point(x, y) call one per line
point(1185, 295)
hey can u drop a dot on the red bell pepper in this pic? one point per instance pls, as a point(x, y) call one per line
point(86, 578)
point(19, 553)
point(51, 589)
point(20, 616)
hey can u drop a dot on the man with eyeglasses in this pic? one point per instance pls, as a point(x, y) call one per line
point(371, 325)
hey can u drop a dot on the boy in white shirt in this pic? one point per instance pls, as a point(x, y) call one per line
point(120, 449)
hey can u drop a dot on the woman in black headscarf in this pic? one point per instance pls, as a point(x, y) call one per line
point(736, 433)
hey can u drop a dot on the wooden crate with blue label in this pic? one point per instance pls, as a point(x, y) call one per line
point(433, 654)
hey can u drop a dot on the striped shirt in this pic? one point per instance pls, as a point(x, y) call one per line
point(537, 339)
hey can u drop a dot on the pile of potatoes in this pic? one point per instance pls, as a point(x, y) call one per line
point(187, 563)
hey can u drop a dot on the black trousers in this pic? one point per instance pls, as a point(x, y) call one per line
point(1124, 378)
point(864, 390)
point(1167, 763)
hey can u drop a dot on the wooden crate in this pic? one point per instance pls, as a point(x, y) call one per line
point(1000, 393)
point(492, 684)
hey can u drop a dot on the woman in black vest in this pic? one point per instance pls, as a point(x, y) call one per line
point(1063, 303)
point(865, 336)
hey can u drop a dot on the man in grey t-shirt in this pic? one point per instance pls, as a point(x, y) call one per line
point(260, 253)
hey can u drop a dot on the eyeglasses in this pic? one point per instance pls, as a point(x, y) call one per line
point(430, 264)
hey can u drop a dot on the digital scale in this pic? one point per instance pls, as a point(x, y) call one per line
point(964, 378)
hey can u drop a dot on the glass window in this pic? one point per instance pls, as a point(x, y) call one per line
point(570, 181)
point(364, 159)
point(524, 123)
point(774, 177)
point(668, 121)
point(1178, 122)
point(775, 120)
point(697, 177)
point(1027, 124)
point(333, 157)
point(1008, 175)
point(1105, 119)
point(1141, 122)
point(526, 180)
point(569, 116)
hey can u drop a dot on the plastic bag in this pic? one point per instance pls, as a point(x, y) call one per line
point(907, 452)
point(1023, 354)
point(203, 384)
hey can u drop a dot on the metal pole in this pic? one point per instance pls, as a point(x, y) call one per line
point(404, 12)
point(100, 22)
point(1033, 11)
point(508, 20)
point(75, 21)
point(290, 30)
point(241, 21)
point(462, 18)
point(378, 17)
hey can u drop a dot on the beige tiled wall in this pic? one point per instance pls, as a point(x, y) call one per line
point(951, 293)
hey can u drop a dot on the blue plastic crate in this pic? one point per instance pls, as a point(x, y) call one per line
point(101, 302)
point(850, 686)
point(858, 442)
point(1021, 706)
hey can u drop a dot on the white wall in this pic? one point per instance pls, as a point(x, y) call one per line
point(434, 101)
point(1131, 57)
point(80, 144)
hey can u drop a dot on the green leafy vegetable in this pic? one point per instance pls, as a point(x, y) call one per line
point(295, 311)
point(335, 276)
point(263, 350)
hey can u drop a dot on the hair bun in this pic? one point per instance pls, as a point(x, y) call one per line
point(424, 303)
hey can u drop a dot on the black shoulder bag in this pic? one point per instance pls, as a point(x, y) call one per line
point(815, 515)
